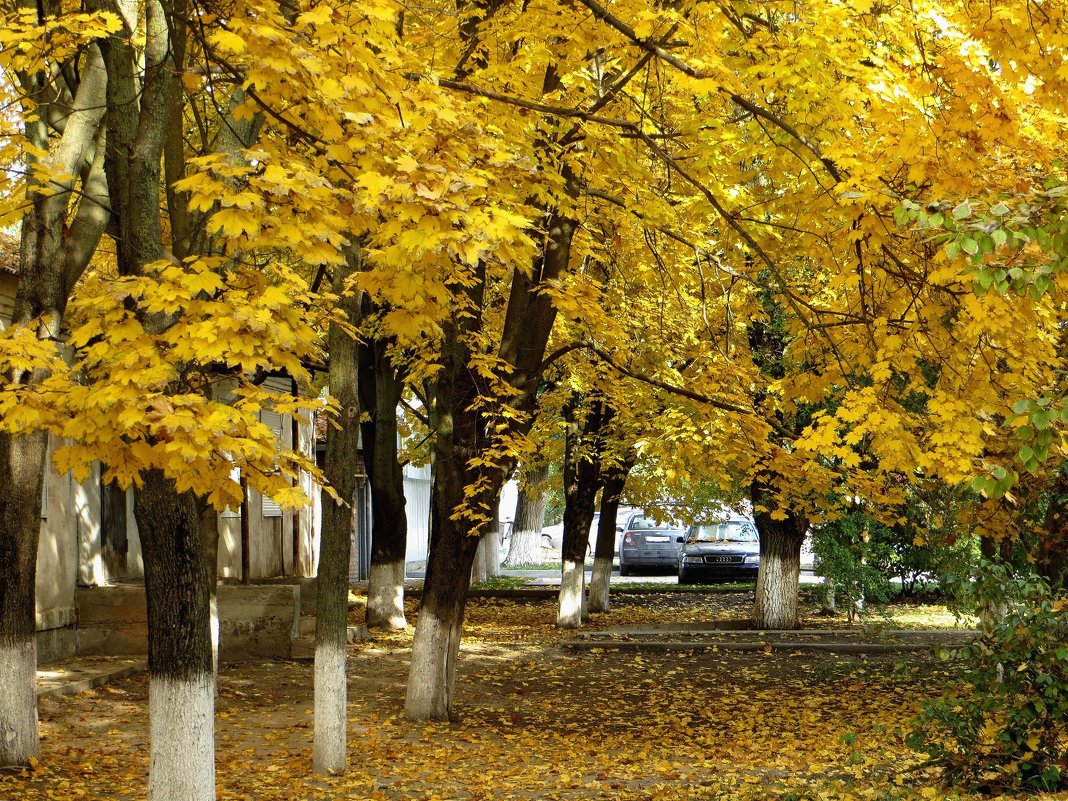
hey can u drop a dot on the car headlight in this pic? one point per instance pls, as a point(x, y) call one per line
point(753, 560)
point(693, 560)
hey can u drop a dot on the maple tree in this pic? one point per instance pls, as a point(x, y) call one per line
point(651, 186)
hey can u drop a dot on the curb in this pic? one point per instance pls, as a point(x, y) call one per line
point(767, 647)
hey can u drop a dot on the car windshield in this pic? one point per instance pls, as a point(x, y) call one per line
point(642, 523)
point(730, 531)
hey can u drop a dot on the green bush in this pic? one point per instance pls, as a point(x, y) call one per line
point(1005, 725)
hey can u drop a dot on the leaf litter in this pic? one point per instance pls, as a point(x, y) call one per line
point(537, 722)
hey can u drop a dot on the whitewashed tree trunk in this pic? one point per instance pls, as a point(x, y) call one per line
point(524, 548)
point(776, 590)
point(330, 744)
point(614, 478)
point(18, 702)
point(181, 714)
point(432, 677)
point(330, 741)
point(600, 582)
point(571, 608)
point(479, 574)
point(385, 595)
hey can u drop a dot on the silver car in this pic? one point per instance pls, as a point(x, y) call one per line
point(728, 550)
point(647, 543)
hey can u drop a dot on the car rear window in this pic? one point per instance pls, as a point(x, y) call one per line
point(641, 523)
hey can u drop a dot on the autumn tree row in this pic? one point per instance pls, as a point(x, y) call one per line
point(671, 232)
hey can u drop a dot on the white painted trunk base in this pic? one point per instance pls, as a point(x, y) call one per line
point(572, 595)
point(524, 549)
point(18, 703)
point(181, 719)
point(430, 677)
point(491, 553)
point(330, 746)
point(385, 596)
point(478, 566)
point(599, 584)
point(775, 607)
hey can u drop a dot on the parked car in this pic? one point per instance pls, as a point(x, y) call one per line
point(647, 542)
point(553, 536)
point(727, 550)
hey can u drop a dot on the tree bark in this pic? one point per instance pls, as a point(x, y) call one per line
point(380, 392)
point(329, 749)
point(582, 476)
point(524, 546)
point(775, 606)
point(454, 540)
point(615, 478)
point(182, 687)
point(22, 463)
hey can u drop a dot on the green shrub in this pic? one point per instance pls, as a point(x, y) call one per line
point(1005, 725)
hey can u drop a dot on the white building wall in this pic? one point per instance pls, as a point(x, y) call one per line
point(417, 509)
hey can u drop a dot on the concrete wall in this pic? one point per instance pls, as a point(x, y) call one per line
point(255, 621)
point(57, 562)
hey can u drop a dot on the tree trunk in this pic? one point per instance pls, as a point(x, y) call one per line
point(775, 606)
point(463, 437)
point(524, 547)
point(22, 463)
point(329, 749)
point(380, 391)
point(453, 541)
point(441, 615)
point(181, 697)
point(487, 563)
point(829, 602)
point(478, 566)
point(582, 473)
point(615, 478)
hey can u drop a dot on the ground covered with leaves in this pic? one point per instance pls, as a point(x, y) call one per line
point(537, 721)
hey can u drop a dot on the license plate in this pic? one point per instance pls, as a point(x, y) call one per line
point(657, 539)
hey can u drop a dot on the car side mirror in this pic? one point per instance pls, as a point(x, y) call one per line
point(680, 539)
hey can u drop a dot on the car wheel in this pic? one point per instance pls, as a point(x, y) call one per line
point(684, 577)
point(624, 570)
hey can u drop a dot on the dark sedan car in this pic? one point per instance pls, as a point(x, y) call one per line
point(725, 551)
point(649, 543)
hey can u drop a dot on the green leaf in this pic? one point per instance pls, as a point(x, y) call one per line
point(969, 246)
point(1000, 210)
point(962, 211)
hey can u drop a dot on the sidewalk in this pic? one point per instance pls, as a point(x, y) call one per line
point(77, 674)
